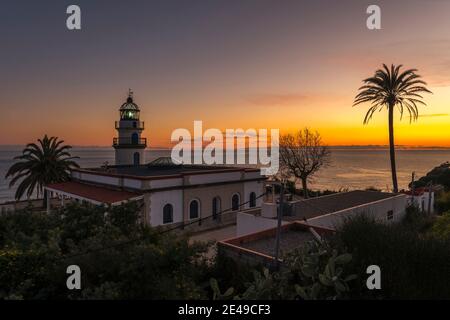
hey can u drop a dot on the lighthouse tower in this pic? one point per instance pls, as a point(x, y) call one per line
point(129, 145)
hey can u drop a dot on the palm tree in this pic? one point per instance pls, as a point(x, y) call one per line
point(390, 88)
point(46, 162)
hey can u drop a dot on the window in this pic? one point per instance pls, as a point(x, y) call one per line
point(235, 202)
point(135, 138)
point(252, 202)
point(194, 209)
point(136, 158)
point(168, 214)
point(216, 208)
point(390, 215)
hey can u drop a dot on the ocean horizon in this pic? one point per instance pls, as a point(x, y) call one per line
point(351, 167)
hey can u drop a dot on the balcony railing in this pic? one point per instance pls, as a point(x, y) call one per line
point(130, 142)
point(130, 124)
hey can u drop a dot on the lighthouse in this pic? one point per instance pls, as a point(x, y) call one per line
point(129, 146)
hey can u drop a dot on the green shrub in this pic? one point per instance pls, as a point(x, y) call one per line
point(438, 175)
point(442, 202)
point(412, 265)
point(441, 227)
point(118, 256)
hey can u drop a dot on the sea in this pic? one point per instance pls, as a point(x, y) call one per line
point(350, 167)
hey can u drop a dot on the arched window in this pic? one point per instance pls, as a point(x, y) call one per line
point(194, 209)
point(136, 158)
point(235, 201)
point(135, 138)
point(216, 208)
point(168, 213)
point(252, 202)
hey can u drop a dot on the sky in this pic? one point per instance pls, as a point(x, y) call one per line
point(232, 64)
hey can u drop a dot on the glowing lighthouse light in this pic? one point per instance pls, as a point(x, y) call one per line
point(129, 146)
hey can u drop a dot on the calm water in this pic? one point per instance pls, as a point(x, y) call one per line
point(351, 168)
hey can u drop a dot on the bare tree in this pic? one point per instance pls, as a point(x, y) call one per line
point(302, 155)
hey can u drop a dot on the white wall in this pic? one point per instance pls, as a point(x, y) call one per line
point(114, 181)
point(132, 183)
point(125, 156)
point(377, 210)
point(214, 177)
point(159, 199)
point(164, 183)
point(421, 201)
point(249, 223)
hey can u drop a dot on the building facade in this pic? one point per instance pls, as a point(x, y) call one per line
point(328, 211)
point(171, 194)
point(195, 196)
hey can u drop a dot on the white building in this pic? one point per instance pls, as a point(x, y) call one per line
point(197, 196)
point(326, 211)
point(422, 199)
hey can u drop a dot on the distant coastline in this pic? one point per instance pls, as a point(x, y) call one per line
point(352, 167)
point(344, 147)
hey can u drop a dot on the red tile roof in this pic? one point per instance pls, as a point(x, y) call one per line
point(418, 191)
point(95, 193)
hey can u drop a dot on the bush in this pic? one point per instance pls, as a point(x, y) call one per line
point(417, 221)
point(312, 272)
point(438, 175)
point(441, 227)
point(412, 266)
point(118, 256)
point(442, 203)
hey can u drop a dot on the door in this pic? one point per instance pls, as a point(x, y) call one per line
point(136, 159)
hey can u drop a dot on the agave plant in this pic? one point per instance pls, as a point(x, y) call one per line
point(47, 161)
point(217, 294)
point(322, 272)
point(390, 88)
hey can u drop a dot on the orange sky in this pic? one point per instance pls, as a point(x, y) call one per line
point(253, 65)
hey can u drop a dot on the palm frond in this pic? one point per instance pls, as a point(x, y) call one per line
point(390, 87)
point(46, 161)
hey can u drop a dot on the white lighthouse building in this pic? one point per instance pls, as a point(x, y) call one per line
point(129, 146)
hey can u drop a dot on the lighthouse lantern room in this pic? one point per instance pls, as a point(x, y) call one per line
point(129, 146)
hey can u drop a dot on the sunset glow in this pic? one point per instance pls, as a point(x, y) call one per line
point(265, 66)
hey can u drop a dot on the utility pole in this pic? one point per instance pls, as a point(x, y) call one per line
point(280, 215)
point(413, 189)
point(430, 190)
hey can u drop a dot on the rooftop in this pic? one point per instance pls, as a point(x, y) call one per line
point(87, 191)
point(314, 207)
point(293, 236)
point(161, 167)
point(289, 240)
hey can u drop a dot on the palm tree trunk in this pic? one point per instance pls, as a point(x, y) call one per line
point(44, 205)
point(305, 188)
point(392, 148)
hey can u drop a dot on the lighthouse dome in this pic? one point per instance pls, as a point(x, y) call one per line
point(129, 110)
point(129, 105)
